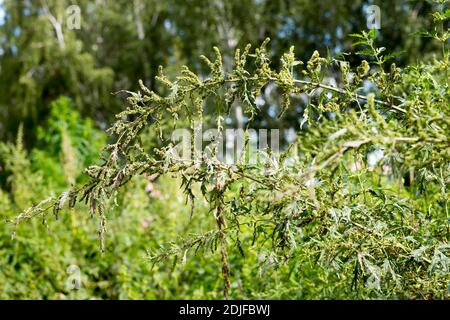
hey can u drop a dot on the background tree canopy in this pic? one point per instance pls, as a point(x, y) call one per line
point(121, 42)
point(361, 211)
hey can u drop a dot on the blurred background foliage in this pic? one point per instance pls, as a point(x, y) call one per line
point(56, 99)
point(34, 261)
point(122, 41)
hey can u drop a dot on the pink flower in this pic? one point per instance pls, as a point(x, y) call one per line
point(152, 177)
point(145, 223)
point(156, 194)
point(356, 166)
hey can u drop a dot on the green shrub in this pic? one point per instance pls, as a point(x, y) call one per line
point(355, 207)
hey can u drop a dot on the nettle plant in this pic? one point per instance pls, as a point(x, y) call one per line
point(363, 189)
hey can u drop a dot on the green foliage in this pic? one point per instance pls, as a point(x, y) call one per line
point(120, 42)
point(359, 201)
point(75, 143)
point(35, 264)
point(37, 67)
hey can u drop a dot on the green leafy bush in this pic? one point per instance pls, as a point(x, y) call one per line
point(356, 206)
